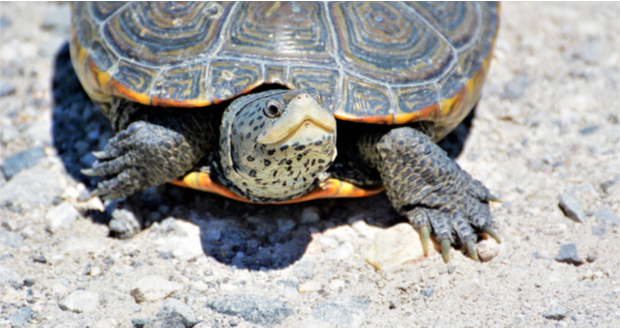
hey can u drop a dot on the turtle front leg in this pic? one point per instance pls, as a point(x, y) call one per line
point(430, 189)
point(147, 154)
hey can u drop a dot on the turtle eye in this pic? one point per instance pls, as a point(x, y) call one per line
point(272, 109)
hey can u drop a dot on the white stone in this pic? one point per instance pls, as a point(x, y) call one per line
point(395, 246)
point(107, 323)
point(310, 286)
point(343, 251)
point(154, 288)
point(80, 301)
point(488, 249)
point(61, 216)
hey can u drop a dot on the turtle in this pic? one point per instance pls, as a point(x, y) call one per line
point(282, 102)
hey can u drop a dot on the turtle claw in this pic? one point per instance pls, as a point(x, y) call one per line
point(492, 198)
point(89, 172)
point(491, 232)
point(102, 154)
point(425, 232)
point(445, 249)
point(471, 249)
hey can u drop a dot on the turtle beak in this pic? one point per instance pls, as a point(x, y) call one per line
point(302, 111)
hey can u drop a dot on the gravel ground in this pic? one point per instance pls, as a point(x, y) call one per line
point(545, 139)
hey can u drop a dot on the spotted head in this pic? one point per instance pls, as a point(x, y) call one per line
point(275, 144)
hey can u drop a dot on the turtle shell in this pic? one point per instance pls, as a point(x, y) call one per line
point(386, 63)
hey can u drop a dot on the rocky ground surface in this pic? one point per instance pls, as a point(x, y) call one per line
point(545, 139)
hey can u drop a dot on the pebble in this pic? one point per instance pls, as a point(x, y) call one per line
point(598, 230)
point(488, 249)
point(80, 301)
point(572, 207)
point(556, 313)
point(20, 317)
point(395, 246)
point(516, 87)
point(608, 217)
point(607, 185)
point(154, 288)
point(57, 20)
point(11, 239)
point(311, 214)
point(591, 258)
point(125, 223)
point(20, 161)
point(568, 254)
point(427, 292)
point(174, 313)
point(343, 251)
point(6, 89)
point(61, 216)
point(35, 186)
point(309, 286)
point(9, 277)
point(588, 130)
point(253, 308)
point(343, 311)
point(139, 322)
point(286, 225)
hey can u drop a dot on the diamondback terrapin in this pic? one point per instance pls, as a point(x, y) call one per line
point(244, 99)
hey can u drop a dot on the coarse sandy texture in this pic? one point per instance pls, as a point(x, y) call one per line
point(548, 124)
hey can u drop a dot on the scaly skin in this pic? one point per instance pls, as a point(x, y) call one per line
point(159, 147)
point(429, 188)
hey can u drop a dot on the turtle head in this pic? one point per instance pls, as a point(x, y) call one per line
point(280, 141)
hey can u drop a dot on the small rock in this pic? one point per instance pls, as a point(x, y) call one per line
point(80, 301)
point(591, 258)
point(309, 286)
point(20, 161)
point(11, 239)
point(174, 313)
point(568, 254)
point(22, 316)
point(61, 216)
point(57, 20)
point(395, 246)
point(572, 208)
point(343, 251)
point(105, 323)
point(6, 89)
point(35, 186)
point(487, 249)
point(29, 282)
point(154, 288)
point(9, 277)
point(311, 214)
point(342, 311)
point(608, 217)
point(253, 308)
point(394, 303)
point(125, 223)
point(4, 22)
point(598, 230)
point(286, 225)
point(588, 130)
point(606, 186)
point(139, 322)
point(515, 88)
point(427, 292)
point(556, 313)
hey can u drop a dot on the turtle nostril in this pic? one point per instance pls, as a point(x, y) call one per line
point(299, 97)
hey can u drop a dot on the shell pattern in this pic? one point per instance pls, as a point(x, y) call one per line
point(384, 62)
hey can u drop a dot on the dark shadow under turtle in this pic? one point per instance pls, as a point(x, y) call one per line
point(243, 235)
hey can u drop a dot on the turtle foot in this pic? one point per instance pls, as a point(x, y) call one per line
point(141, 156)
point(433, 192)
